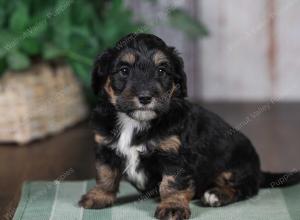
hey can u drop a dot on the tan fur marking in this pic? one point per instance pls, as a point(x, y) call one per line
point(230, 192)
point(128, 58)
point(107, 178)
point(99, 138)
point(159, 57)
point(104, 193)
point(182, 197)
point(223, 182)
point(166, 190)
point(224, 179)
point(164, 209)
point(110, 91)
point(227, 175)
point(97, 198)
point(173, 199)
point(99, 194)
point(171, 143)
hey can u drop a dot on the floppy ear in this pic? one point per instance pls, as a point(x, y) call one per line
point(100, 70)
point(180, 76)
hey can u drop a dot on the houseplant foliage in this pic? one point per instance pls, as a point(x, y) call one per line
point(72, 31)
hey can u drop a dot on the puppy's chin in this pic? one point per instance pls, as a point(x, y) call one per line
point(143, 115)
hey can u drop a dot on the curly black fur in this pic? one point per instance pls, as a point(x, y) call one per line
point(210, 159)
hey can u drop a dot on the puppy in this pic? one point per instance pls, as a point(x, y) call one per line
point(150, 134)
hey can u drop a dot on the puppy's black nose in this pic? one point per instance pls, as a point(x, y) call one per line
point(145, 99)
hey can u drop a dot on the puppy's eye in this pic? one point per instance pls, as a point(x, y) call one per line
point(162, 72)
point(124, 71)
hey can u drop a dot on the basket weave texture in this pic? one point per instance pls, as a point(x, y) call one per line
point(39, 102)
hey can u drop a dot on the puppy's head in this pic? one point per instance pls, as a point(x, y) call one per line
point(140, 76)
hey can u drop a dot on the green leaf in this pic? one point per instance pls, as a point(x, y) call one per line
point(20, 18)
point(37, 29)
point(31, 46)
point(82, 15)
point(2, 17)
point(2, 66)
point(79, 58)
point(17, 60)
point(83, 73)
point(61, 24)
point(6, 37)
point(84, 42)
point(51, 52)
point(116, 5)
point(7, 42)
point(183, 21)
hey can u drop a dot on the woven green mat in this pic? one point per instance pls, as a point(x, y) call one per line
point(58, 201)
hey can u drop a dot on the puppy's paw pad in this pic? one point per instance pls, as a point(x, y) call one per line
point(211, 199)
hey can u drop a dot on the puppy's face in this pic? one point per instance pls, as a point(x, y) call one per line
point(141, 78)
point(142, 83)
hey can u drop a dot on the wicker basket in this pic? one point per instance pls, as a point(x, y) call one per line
point(39, 102)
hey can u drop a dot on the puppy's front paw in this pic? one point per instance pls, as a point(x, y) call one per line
point(172, 211)
point(96, 199)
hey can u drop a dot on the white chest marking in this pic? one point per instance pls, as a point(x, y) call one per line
point(131, 153)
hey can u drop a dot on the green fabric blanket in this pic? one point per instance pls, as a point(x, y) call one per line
point(58, 201)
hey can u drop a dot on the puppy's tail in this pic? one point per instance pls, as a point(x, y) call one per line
point(274, 180)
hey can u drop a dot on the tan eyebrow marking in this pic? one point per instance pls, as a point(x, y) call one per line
point(159, 57)
point(128, 57)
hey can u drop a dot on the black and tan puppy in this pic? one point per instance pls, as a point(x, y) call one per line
point(149, 133)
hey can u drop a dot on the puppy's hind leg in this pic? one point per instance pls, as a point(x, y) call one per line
point(230, 187)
